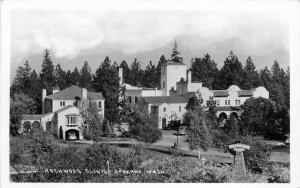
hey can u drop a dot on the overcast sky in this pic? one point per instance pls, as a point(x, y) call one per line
point(67, 33)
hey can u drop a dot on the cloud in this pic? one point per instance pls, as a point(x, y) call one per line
point(67, 33)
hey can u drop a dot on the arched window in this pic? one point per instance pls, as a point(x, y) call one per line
point(165, 109)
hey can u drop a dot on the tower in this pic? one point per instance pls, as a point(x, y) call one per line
point(172, 71)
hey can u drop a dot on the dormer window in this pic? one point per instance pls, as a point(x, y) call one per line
point(62, 103)
point(99, 104)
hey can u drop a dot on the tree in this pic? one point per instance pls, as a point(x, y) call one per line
point(47, 72)
point(22, 80)
point(199, 136)
point(20, 104)
point(142, 126)
point(251, 79)
point(106, 80)
point(161, 61)
point(211, 117)
point(149, 76)
point(175, 56)
point(60, 77)
point(75, 77)
point(204, 70)
point(265, 77)
point(92, 121)
point(231, 73)
point(85, 76)
point(258, 116)
point(136, 73)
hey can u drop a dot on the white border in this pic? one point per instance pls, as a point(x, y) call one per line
point(291, 7)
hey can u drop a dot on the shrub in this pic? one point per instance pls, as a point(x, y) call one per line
point(279, 174)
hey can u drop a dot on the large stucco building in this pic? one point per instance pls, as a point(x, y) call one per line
point(61, 112)
point(177, 87)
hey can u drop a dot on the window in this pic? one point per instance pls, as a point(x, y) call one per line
point(179, 108)
point(164, 69)
point(62, 103)
point(237, 102)
point(135, 99)
point(165, 109)
point(129, 99)
point(227, 102)
point(99, 104)
point(72, 120)
point(164, 84)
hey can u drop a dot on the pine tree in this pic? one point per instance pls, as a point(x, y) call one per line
point(175, 56)
point(69, 78)
point(85, 76)
point(204, 70)
point(136, 73)
point(47, 73)
point(251, 79)
point(22, 81)
point(106, 80)
point(150, 74)
point(75, 76)
point(231, 73)
point(60, 77)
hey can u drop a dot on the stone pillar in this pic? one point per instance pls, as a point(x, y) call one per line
point(239, 162)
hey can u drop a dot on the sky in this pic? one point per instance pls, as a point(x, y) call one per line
point(69, 33)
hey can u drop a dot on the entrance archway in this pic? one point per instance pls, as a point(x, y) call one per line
point(36, 126)
point(26, 127)
point(72, 134)
point(234, 115)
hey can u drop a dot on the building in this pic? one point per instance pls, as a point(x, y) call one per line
point(61, 112)
point(177, 87)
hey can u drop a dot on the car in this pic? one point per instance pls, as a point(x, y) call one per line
point(181, 130)
point(72, 136)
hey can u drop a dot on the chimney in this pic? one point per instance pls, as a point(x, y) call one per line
point(84, 94)
point(55, 90)
point(120, 70)
point(44, 94)
point(189, 76)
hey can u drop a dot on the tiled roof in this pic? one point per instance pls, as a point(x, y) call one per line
point(74, 91)
point(166, 99)
point(228, 108)
point(220, 93)
point(245, 93)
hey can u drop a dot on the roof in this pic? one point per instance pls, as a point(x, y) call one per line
point(63, 109)
point(169, 62)
point(74, 91)
point(220, 93)
point(165, 99)
point(245, 93)
point(228, 108)
point(32, 116)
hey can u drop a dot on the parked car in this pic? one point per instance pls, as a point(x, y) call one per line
point(72, 136)
point(181, 130)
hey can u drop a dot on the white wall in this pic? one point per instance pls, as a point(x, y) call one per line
point(171, 75)
point(171, 110)
point(56, 104)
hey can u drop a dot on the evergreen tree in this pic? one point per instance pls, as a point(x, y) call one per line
point(231, 73)
point(149, 76)
point(175, 56)
point(22, 81)
point(136, 73)
point(69, 78)
point(36, 91)
point(251, 79)
point(60, 77)
point(85, 76)
point(265, 77)
point(161, 61)
point(75, 76)
point(106, 80)
point(47, 73)
point(204, 70)
point(126, 71)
